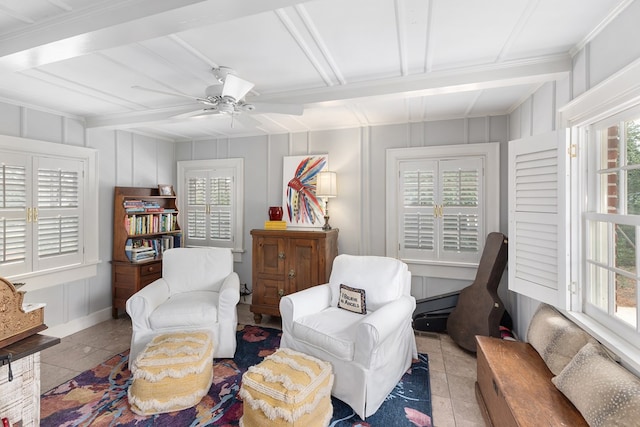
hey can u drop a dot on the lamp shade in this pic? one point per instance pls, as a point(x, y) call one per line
point(326, 184)
point(235, 87)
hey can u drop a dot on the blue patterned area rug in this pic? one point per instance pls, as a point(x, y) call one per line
point(98, 397)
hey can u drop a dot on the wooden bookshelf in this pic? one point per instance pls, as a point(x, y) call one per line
point(144, 224)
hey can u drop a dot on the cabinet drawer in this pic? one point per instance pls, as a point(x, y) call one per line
point(154, 269)
point(148, 278)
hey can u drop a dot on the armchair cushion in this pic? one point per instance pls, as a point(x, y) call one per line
point(332, 330)
point(206, 271)
point(188, 309)
point(352, 299)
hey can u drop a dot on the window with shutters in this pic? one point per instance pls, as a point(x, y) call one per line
point(574, 215)
point(210, 196)
point(44, 212)
point(441, 211)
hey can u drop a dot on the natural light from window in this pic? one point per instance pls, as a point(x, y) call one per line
point(613, 222)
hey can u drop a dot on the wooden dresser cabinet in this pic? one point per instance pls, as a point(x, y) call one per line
point(128, 278)
point(287, 261)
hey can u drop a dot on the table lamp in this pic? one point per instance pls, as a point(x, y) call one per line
point(326, 187)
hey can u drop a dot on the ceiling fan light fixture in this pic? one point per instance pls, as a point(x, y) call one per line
point(235, 87)
point(221, 73)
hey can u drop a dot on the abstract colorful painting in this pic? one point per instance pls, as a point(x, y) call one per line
point(299, 203)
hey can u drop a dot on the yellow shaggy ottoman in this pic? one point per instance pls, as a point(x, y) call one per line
point(173, 372)
point(287, 388)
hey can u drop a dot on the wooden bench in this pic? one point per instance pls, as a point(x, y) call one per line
point(514, 387)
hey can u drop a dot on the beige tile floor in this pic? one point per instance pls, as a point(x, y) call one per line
point(453, 370)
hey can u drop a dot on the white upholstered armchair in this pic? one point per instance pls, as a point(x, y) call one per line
point(369, 352)
point(198, 290)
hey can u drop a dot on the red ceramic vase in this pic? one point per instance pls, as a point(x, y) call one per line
point(275, 213)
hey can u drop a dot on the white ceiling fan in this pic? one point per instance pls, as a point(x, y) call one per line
point(228, 98)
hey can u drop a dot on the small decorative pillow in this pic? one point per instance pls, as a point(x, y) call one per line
point(604, 392)
point(352, 299)
point(556, 338)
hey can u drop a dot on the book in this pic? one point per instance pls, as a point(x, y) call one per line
point(275, 225)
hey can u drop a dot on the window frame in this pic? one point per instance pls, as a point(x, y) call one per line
point(619, 93)
point(85, 265)
point(236, 165)
point(490, 153)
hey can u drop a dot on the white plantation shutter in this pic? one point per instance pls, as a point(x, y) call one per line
point(15, 190)
point(221, 205)
point(538, 236)
point(196, 226)
point(417, 198)
point(441, 209)
point(58, 218)
point(461, 194)
point(210, 207)
point(48, 212)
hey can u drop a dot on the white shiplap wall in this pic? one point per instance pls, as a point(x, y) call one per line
point(126, 159)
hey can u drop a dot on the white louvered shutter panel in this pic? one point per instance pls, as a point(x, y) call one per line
point(196, 214)
point(538, 235)
point(58, 220)
point(461, 195)
point(15, 231)
point(417, 226)
point(221, 210)
point(210, 207)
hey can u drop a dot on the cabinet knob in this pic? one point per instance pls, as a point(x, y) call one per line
point(280, 255)
point(151, 269)
point(292, 273)
point(280, 293)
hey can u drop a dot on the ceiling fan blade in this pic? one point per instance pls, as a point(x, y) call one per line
point(267, 108)
point(197, 113)
point(163, 92)
point(236, 87)
point(247, 121)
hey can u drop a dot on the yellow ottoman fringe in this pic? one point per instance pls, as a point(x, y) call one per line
point(287, 388)
point(174, 372)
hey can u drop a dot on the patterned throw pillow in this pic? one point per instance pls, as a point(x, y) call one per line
point(352, 299)
point(556, 338)
point(604, 392)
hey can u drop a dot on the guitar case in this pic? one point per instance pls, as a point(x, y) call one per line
point(479, 309)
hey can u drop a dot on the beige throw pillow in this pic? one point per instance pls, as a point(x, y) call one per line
point(604, 392)
point(352, 299)
point(555, 338)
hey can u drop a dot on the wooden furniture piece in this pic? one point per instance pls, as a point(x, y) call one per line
point(287, 261)
point(479, 308)
point(141, 217)
point(16, 320)
point(20, 397)
point(514, 387)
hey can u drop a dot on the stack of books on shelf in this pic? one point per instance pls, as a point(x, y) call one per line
point(275, 225)
point(141, 253)
point(139, 250)
point(143, 206)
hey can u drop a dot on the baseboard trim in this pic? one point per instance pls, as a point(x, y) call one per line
point(76, 325)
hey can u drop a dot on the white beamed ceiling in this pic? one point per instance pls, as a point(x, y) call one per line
point(348, 62)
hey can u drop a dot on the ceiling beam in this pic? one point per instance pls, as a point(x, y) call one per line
point(117, 23)
point(504, 74)
point(436, 83)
